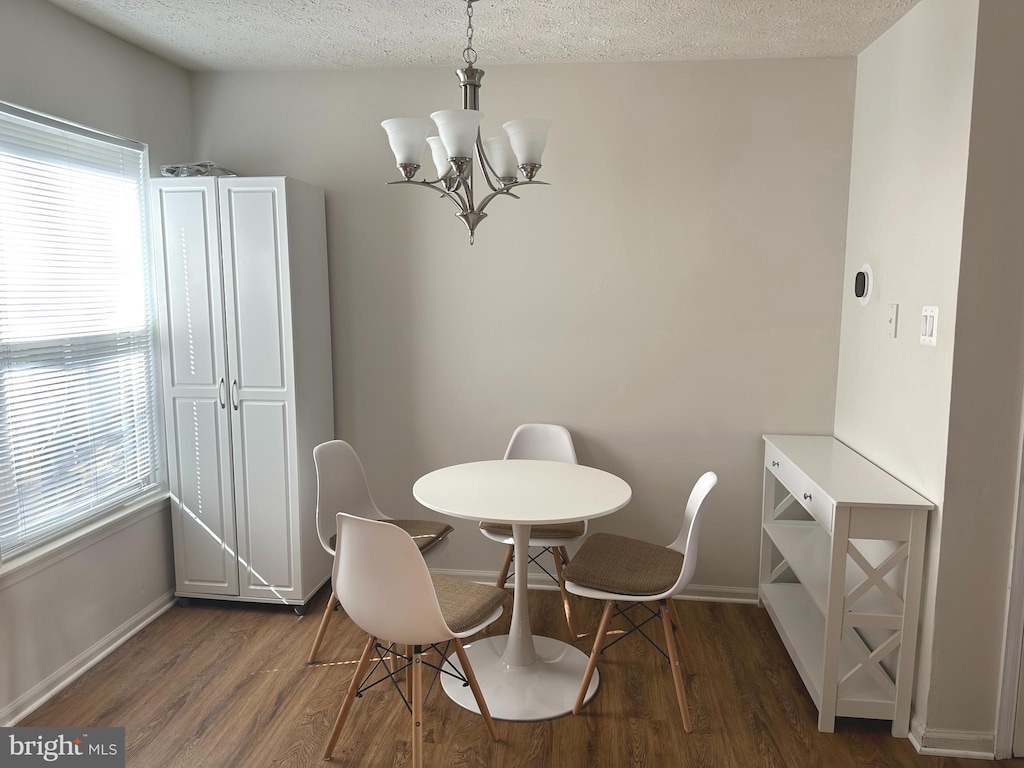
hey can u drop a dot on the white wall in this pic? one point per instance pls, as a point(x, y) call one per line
point(987, 390)
point(908, 177)
point(673, 296)
point(55, 619)
point(935, 209)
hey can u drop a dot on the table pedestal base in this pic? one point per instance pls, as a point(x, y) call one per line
point(541, 691)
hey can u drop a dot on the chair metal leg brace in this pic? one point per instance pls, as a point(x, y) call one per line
point(391, 674)
point(669, 622)
point(359, 685)
point(636, 627)
point(533, 559)
point(414, 703)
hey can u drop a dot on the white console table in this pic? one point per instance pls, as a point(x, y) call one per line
point(842, 555)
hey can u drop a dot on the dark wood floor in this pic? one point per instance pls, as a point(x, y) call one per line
point(221, 685)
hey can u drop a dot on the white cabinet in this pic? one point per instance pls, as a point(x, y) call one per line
point(842, 555)
point(246, 367)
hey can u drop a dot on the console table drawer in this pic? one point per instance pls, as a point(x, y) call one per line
point(804, 490)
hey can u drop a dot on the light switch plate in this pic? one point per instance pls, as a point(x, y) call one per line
point(929, 325)
point(894, 315)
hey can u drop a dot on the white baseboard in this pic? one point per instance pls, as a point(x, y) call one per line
point(712, 594)
point(978, 745)
point(537, 580)
point(39, 694)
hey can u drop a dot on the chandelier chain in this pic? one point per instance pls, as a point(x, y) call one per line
point(469, 53)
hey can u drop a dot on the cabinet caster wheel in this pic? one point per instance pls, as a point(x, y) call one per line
point(184, 602)
point(300, 610)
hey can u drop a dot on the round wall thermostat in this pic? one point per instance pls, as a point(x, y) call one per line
point(862, 284)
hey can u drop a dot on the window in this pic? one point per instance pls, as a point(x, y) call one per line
point(78, 426)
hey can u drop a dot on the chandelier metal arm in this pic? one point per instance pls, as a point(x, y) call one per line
point(507, 190)
point(485, 164)
point(457, 200)
point(455, 196)
point(496, 193)
point(467, 188)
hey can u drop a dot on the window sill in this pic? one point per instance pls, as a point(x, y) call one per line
point(21, 567)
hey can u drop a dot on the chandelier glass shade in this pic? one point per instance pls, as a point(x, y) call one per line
point(506, 162)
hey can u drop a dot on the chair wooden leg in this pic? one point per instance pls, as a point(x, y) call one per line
point(467, 670)
point(677, 675)
point(331, 602)
point(602, 628)
point(390, 661)
point(503, 574)
point(417, 707)
point(346, 704)
point(687, 666)
point(559, 554)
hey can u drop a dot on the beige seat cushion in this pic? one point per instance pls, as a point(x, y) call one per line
point(554, 531)
point(426, 533)
point(465, 604)
point(624, 566)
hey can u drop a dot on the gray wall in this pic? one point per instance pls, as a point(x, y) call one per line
point(58, 618)
point(673, 296)
point(55, 63)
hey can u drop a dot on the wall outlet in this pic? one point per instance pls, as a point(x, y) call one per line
point(929, 325)
point(894, 315)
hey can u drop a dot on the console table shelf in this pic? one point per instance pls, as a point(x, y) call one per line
point(842, 553)
point(802, 627)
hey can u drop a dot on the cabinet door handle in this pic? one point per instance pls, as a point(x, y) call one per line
point(775, 463)
point(234, 394)
point(807, 496)
point(220, 393)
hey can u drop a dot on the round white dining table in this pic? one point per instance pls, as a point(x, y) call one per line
point(522, 677)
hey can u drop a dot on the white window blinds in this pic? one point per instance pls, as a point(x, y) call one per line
point(77, 402)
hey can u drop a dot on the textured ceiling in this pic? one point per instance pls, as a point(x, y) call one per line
point(345, 34)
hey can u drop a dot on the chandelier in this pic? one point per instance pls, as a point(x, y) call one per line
point(517, 150)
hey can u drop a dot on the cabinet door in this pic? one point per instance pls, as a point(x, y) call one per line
point(195, 386)
point(254, 237)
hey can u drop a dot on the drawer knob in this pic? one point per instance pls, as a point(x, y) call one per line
point(775, 463)
point(807, 496)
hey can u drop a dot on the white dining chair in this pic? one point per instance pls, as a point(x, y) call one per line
point(341, 487)
point(618, 569)
point(383, 584)
point(549, 442)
